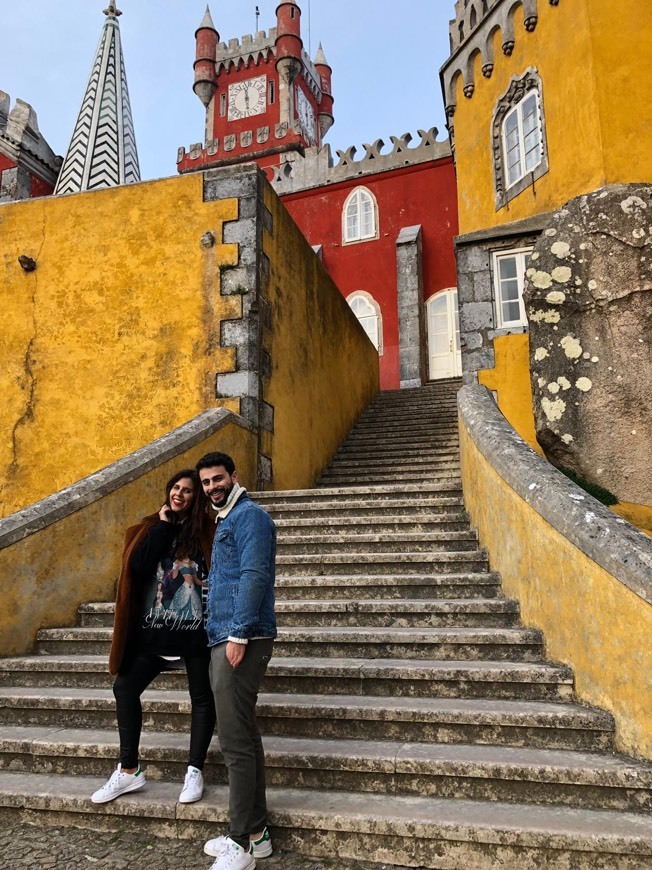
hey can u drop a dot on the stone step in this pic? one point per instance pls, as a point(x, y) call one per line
point(489, 723)
point(456, 643)
point(403, 466)
point(395, 586)
point(332, 676)
point(418, 831)
point(386, 423)
point(334, 478)
point(495, 773)
point(356, 507)
point(417, 613)
point(441, 437)
point(418, 460)
point(516, 774)
point(386, 493)
point(382, 563)
point(359, 542)
point(458, 522)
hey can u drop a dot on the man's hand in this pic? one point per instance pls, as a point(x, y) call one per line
point(235, 652)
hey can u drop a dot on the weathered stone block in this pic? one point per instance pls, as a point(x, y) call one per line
point(475, 316)
point(589, 302)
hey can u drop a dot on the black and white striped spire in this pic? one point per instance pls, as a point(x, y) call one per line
point(102, 151)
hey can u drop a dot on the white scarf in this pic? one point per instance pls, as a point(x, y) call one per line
point(227, 507)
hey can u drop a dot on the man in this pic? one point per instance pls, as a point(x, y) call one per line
point(241, 627)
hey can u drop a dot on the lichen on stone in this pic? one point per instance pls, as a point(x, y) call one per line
point(553, 408)
point(571, 347)
point(583, 384)
point(561, 274)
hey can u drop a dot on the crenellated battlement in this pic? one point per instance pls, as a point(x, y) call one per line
point(246, 50)
point(22, 141)
point(317, 167)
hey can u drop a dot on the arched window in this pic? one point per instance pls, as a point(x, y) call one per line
point(359, 217)
point(367, 310)
point(474, 17)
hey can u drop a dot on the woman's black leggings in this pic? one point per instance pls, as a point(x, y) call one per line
point(129, 686)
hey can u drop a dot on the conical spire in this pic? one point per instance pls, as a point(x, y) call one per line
point(320, 57)
point(207, 21)
point(102, 151)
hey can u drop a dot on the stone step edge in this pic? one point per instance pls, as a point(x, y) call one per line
point(445, 711)
point(484, 670)
point(407, 817)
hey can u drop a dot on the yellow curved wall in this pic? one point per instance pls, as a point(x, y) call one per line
point(594, 62)
point(113, 340)
point(77, 559)
point(591, 621)
point(324, 368)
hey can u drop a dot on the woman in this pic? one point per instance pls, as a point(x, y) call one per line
point(165, 561)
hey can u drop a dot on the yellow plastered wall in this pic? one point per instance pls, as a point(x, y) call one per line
point(77, 558)
point(324, 368)
point(596, 71)
point(510, 380)
point(591, 621)
point(113, 340)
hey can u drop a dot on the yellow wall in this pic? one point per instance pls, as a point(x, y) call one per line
point(597, 80)
point(77, 559)
point(591, 621)
point(113, 339)
point(510, 379)
point(324, 368)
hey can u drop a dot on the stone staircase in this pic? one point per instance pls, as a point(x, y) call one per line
point(408, 717)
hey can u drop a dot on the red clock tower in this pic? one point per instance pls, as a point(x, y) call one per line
point(263, 95)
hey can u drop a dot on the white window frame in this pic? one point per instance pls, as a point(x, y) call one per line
point(521, 255)
point(369, 299)
point(357, 195)
point(518, 112)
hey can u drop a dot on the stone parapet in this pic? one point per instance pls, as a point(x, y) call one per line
point(582, 574)
point(317, 167)
point(22, 142)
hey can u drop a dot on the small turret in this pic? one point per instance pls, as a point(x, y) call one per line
point(207, 38)
point(326, 119)
point(289, 44)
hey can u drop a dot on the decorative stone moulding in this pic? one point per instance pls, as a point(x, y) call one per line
point(212, 147)
point(500, 16)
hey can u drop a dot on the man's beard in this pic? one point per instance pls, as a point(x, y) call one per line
point(224, 497)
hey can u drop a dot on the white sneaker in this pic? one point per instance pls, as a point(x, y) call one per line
point(262, 847)
point(193, 787)
point(234, 857)
point(119, 783)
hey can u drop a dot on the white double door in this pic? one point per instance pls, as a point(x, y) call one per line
point(444, 353)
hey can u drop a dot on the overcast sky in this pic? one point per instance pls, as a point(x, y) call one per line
point(385, 56)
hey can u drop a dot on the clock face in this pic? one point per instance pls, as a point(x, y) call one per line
point(247, 98)
point(306, 115)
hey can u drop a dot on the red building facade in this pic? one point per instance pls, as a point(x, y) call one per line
point(383, 225)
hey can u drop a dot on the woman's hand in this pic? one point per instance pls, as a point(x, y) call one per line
point(165, 514)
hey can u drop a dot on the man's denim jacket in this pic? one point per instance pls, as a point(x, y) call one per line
point(241, 577)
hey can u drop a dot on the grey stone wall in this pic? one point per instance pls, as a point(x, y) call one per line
point(411, 319)
point(247, 280)
point(475, 289)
